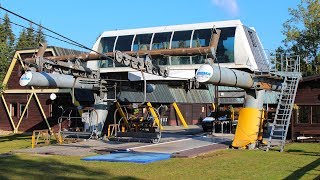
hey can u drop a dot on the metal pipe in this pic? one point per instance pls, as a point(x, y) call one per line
point(217, 75)
point(43, 79)
point(164, 52)
point(212, 74)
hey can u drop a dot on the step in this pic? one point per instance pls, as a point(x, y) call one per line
point(280, 125)
point(277, 136)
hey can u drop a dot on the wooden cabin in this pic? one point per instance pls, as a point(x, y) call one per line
point(29, 108)
point(306, 114)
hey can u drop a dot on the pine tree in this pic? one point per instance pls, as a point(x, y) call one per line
point(39, 36)
point(22, 40)
point(27, 38)
point(30, 37)
point(7, 40)
point(8, 32)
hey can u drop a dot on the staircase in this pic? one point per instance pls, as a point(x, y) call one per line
point(282, 119)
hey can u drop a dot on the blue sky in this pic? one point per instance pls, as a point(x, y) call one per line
point(83, 21)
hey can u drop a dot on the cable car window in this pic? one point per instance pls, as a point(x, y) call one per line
point(201, 37)
point(181, 39)
point(225, 50)
point(161, 40)
point(176, 60)
point(107, 44)
point(142, 42)
point(124, 43)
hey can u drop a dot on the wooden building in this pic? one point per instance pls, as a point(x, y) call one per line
point(306, 116)
point(30, 108)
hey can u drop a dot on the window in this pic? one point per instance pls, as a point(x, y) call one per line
point(161, 40)
point(199, 59)
point(181, 39)
point(22, 107)
point(124, 43)
point(13, 109)
point(107, 46)
point(304, 114)
point(201, 37)
point(315, 114)
point(176, 60)
point(142, 42)
point(160, 60)
point(225, 49)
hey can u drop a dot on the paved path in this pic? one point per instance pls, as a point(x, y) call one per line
point(175, 140)
point(181, 145)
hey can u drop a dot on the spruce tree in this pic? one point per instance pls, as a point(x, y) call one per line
point(39, 36)
point(22, 40)
point(30, 37)
point(7, 40)
point(8, 32)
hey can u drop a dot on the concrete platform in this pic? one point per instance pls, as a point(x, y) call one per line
point(83, 148)
point(175, 140)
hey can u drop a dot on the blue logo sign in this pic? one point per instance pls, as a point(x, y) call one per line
point(24, 78)
point(203, 73)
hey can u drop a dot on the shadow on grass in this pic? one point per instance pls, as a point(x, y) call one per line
point(15, 137)
point(12, 167)
point(302, 152)
point(303, 170)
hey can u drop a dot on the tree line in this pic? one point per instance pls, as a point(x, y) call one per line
point(28, 37)
point(302, 35)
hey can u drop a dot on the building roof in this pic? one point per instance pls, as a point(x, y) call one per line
point(217, 24)
point(165, 94)
point(58, 51)
point(311, 78)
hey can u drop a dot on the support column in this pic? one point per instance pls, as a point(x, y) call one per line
point(249, 120)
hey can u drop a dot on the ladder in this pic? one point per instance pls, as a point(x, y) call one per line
point(289, 88)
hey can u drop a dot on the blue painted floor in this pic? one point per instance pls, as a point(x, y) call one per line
point(135, 157)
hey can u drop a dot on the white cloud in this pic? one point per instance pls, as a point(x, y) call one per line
point(230, 6)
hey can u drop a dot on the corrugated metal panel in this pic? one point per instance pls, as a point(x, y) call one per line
point(64, 51)
point(202, 96)
point(179, 95)
point(165, 94)
point(161, 94)
point(128, 96)
point(211, 90)
point(190, 96)
point(196, 97)
point(257, 50)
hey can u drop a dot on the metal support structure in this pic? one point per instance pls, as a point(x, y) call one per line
point(183, 121)
point(24, 111)
point(154, 115)
point(249, 120)
point(32, 92)
point(282, 118)
point(122, 114)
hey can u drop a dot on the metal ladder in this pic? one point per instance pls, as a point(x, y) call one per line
point(289, 88)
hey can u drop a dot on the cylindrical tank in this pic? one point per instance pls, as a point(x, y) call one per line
point(43, 79)
point(224, 76)
point(247, 128)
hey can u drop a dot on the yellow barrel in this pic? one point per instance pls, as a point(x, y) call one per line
point(247, 128)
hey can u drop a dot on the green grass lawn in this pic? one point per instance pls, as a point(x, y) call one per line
point(299, 161)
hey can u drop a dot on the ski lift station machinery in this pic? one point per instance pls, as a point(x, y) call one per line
point(224, 53)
